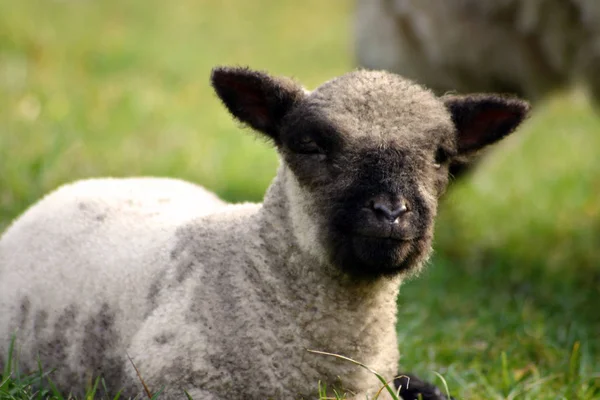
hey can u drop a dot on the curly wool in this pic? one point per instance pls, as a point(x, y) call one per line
point(224, 300)
point(193, 285)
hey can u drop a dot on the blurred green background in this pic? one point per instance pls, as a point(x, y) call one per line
point(510, 306)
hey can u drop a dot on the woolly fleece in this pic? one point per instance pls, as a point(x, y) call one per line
point(224, 300)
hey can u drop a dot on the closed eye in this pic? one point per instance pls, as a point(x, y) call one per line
point(305, 144)
point(441, 157)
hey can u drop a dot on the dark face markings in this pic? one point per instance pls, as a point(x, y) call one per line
point(356, 169)
point(364, 146)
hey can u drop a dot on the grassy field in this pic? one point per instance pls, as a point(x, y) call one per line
point(509, 307)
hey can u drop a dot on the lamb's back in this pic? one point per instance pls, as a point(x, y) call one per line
point(76, 268)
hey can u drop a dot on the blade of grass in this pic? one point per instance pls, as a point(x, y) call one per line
point(531, 386)
point(106, 392)
point(148, 393)
point(339, 396)
point(444, 383)
point(506, 381)
point(4, 383)
point(40, 376)
point(392, 381)
point(9, 359)
point(381, 378)
point(54, 389)
point(103, 382)
point(157, 394)
point(573, 372)
point(322, 390)
point(90, 395)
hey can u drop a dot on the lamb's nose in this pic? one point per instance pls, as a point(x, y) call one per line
point(390, 211)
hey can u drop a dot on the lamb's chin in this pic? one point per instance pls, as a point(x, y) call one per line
point(371, 257)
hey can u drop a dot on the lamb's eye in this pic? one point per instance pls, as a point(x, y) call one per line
point(307, 145)
point(304, 140)
point(441, 158)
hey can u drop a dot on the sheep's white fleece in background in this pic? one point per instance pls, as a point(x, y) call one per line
point(530, 47)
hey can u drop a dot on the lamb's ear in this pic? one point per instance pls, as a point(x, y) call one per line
point(256, 98)
point(483, 119)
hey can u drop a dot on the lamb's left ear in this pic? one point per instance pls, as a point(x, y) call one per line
point(256, 98)
point(483, 119)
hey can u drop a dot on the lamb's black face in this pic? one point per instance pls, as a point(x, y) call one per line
point(374, 198)
point(370, 152)
point(381, 223)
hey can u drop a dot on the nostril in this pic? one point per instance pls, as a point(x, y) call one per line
point(382, 210)
point(402, 208)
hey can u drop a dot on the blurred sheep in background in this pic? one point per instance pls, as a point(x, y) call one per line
point(524, 47)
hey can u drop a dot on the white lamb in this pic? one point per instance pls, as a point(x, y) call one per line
point(224, 301)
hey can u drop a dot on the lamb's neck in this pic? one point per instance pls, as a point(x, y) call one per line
point(294, 262)
point(324, 308)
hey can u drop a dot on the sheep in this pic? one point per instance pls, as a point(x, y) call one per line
point(224, 301)
point(525, 47)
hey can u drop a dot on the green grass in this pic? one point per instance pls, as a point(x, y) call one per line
point(17, 385)
point(509, 306)
point(122, 88)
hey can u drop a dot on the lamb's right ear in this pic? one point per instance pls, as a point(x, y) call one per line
point(483, 119)
point(256, 98)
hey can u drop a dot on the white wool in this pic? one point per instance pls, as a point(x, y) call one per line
point(71, 248)
point(303, 225)
point(108, 241)
point(225, 300)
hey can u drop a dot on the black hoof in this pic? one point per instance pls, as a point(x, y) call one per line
point(412, 387)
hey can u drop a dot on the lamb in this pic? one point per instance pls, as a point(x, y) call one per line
point(223, 301)
point(526, 47)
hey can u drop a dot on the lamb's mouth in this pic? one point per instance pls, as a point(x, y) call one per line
point(383, 251)
point(389, 237)
point(369, 256)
